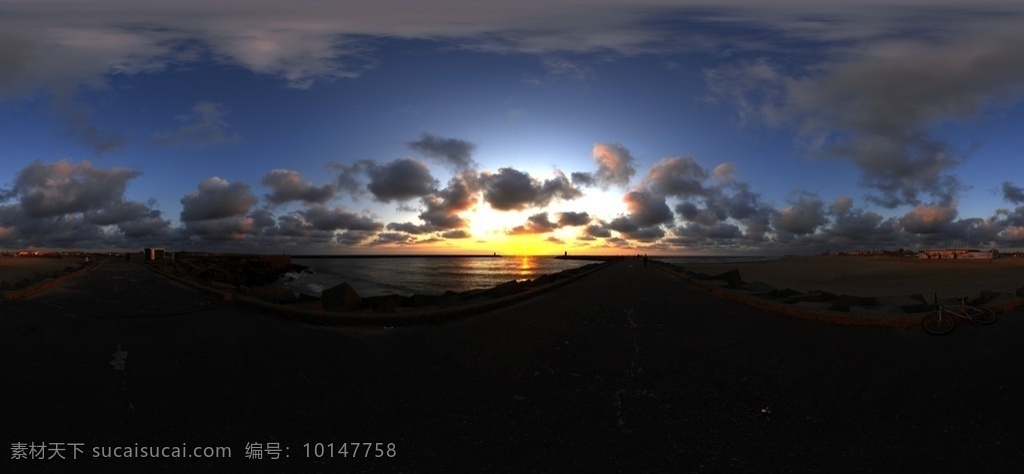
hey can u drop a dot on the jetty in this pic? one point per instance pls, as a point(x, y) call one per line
point(624, 369)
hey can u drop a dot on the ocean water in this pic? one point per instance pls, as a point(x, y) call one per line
point(371, 276)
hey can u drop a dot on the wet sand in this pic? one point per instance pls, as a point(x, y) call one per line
point(881, 276)
point(13, 269)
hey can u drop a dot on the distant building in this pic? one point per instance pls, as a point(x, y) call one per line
point(958, 254)
point(154, 254)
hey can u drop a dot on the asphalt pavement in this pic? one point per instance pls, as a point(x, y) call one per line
point(626, 369)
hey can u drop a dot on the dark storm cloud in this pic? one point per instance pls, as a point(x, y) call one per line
point(400, 180)
point(614, 167)
point(216, 198)
point(511, 189)
point(287, 186)
point(450, 152)
point(205, 126)
point(569, 219)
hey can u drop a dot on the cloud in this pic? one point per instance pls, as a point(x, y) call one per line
point(76, 120)
point(805, 213)
point(66, 205)
point(450, 152)
point(647, 209)
point(878, 105)
point(535, 224)
point(1012, 193)
point(400, 180)
point(599, 230)
point(204, 127)
point(456, 234)
point(332, 219)
point(677, 176)
point(286, 186)
point(853, 225)
point(393, 238)
point(442, 208)
point(614, 167)
point(568, 219)
point(47, 190)
point(511, 189)
point(354, 237)
point(928, 219)
point(216, 198)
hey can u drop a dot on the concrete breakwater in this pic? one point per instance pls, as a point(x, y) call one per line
point(252, 279)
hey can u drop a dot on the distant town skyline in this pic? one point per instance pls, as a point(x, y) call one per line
point(375, 127)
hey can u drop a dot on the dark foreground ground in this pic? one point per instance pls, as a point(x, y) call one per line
point(626, 369)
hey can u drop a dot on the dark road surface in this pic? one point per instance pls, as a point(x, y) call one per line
point(627, 369)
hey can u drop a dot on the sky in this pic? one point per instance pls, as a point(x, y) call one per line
point(684, 127)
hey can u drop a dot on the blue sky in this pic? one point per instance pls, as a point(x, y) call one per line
point(396, 126)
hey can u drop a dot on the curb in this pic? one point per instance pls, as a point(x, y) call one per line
point(901, 320)
point(328, 318)
point(49, 283)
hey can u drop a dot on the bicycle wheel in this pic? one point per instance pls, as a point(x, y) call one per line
point(938, 323)
point(984, 315)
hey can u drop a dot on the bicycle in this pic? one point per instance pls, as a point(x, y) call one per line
point(942, 320)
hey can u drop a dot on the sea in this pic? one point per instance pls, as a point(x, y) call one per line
point(407, 275)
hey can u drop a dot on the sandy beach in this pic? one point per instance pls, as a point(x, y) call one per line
point(13, 269)
point(881, 276)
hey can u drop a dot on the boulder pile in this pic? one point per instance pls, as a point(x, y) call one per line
point(344, 298)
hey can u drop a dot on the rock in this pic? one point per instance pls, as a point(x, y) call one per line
point(274, 294)
point(448, 298)
point(383, 304)
point(505, 289)
point(731, 276)
point(340, 298)
point(786, 293)
point(418, 300)
point(760, 288)
point(306, 298)
point(812, 297)
point(543, 280)
point(844, 302)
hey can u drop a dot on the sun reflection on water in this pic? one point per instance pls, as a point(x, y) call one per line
point(526, 266)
